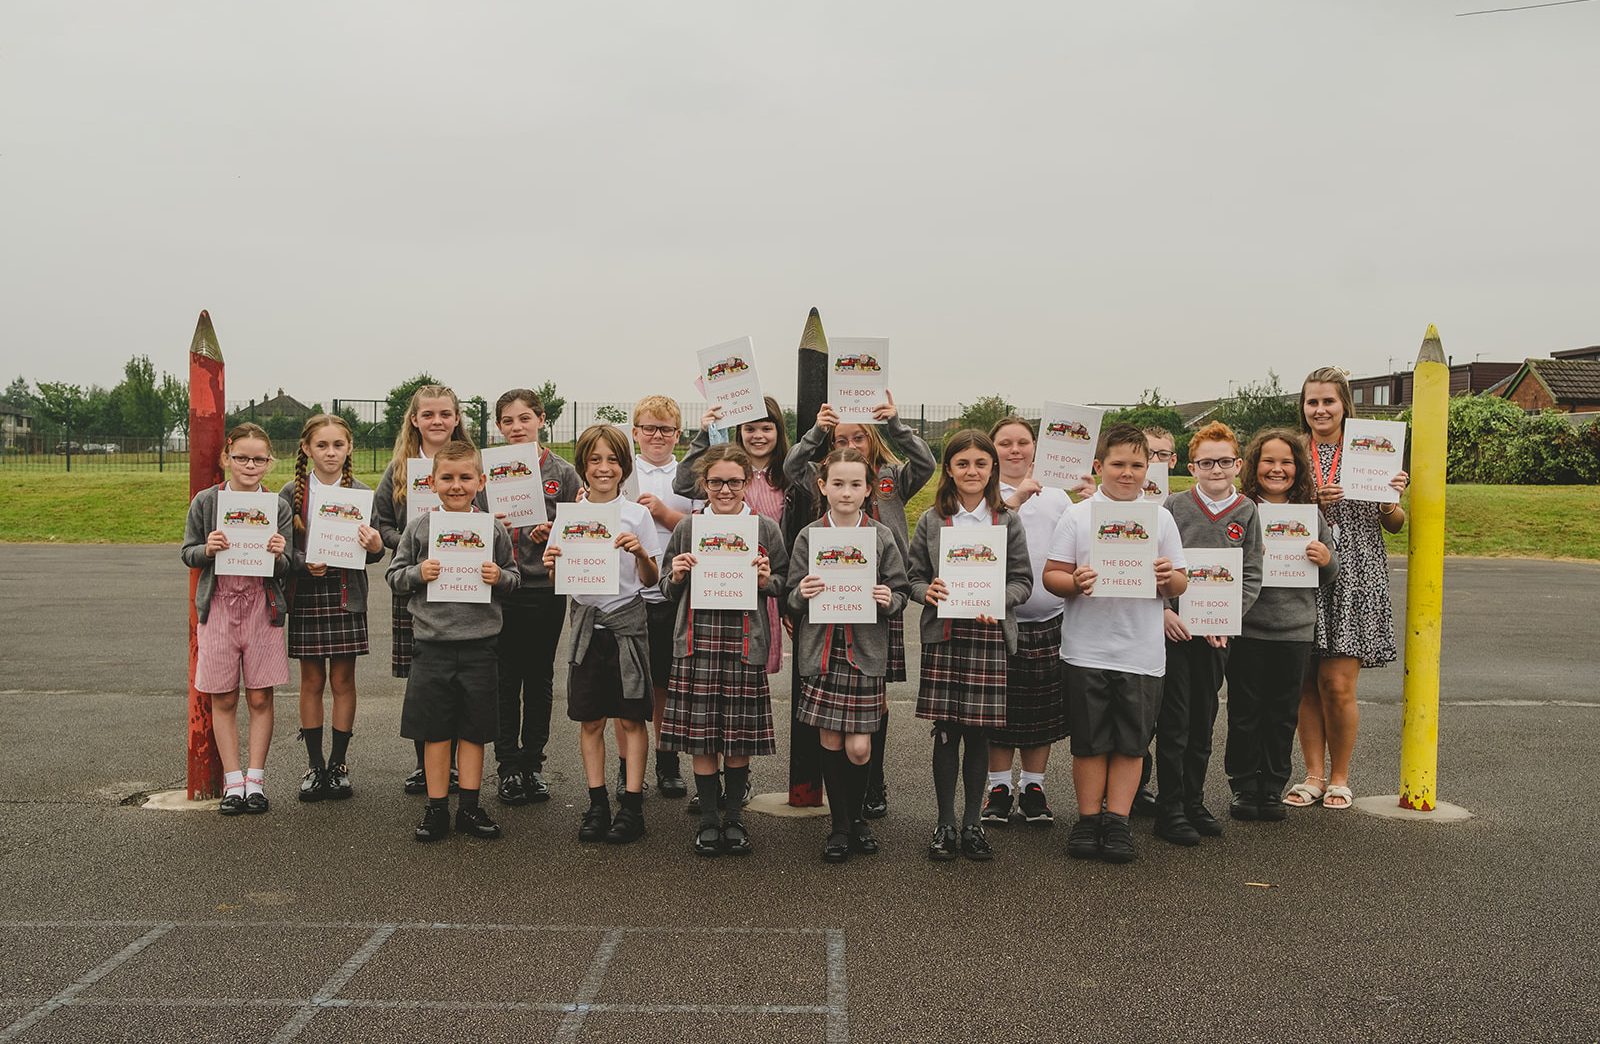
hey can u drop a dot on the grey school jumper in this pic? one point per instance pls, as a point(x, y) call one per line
point(869, 643)
point(757, 639)
point(920, 566)
point(1237, 526)
point(1289, 614)
point(199, 525)
point(560, 476)
point(449, 621)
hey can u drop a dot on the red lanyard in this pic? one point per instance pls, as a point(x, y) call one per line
point(1333, 466)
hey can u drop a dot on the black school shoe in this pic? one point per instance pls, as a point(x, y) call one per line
point(1144, 802)
point(232, 804)
point(1203, 821)
point(417, 782)
point(538, 789)
point(837, 848)
point(1084, 840)
point(945, 846)
point(669, 781)
point(1273, 810)
point(596, 823)
point(339, 782)
point(1116, 839)
point(627, 828)
point(314, 785)
point(862, 839)
point(876, 804)
point(511, 790)
point(975, 845)
point(1173, 826)
point(997, 805)
point(736, 838)
point(475, 822)
point(435, 825)
point(1034, 808)
point(1245, 806)
point(255, 804)
point(708, 842)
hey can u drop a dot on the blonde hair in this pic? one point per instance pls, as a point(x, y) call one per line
point(1340, 379)
point(660, 405)
point(878, 454)
point(457, 449)
point(408, 440)
point(614, 440)
point(347, 475)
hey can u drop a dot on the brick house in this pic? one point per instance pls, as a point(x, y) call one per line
point(1394, 389)
point(1569, 382)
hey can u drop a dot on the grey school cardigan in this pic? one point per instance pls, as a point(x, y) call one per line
point(867, 645)
point(1237, 526)
point(555, 474)
point(757, 640)
point(1289, 614)
point(353, 582)
point(896, 483)
point(920, 567)
point(199, 525)
point(449, 621)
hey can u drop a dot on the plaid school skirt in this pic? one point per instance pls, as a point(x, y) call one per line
point(400, 638)
point(1036, 694)
point(964, 676)
point(717, 703)
point(896, 671)
point(841, 698)
point(319, 625)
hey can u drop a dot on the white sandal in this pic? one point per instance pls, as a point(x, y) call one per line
point(1304, 795)
point(1338, 791)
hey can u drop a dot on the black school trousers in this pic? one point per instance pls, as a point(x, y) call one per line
point(1263, 710)
point(1188, 714)
point(529, 637)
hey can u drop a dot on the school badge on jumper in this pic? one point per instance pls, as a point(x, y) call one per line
point(1235, 531)
point(552, 488)
point(886, 485)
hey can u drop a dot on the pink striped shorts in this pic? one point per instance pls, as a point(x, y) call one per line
point(238, 639)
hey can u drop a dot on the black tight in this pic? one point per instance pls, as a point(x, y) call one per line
point(973, 769)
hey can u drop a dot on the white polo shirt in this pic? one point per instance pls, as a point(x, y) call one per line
point(635, 520)
point(657, 481)
point(1039, 515)
point(1113, 634)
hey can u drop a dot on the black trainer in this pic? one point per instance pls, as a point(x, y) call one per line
point(1035, 809)
point(1203, 821)
point(232, 803)
point(1173, 826)
point(538, 790)
point(417, 782)
point(945, 846)
point(626, 828)
point(862, 839)
point(975, 844)
point(511, 790)
point(476, 822)
point(596, 823)
point(997, 805)
point(1245, 806)
point(1084, 840)
point(1116, 839)
point(339, 782)
point(314, 785)
point(876, 803)
point(836, 849)
point(435, 825)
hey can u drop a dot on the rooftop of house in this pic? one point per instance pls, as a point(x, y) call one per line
point(1567, 380)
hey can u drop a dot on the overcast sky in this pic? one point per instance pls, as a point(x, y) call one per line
point(1062, 200)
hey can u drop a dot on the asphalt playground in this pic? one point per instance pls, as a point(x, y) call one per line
point(324, 922)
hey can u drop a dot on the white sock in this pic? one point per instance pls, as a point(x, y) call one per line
point(1032, 777)
point(1000, 779)
point(255, 781)
point(232, 781)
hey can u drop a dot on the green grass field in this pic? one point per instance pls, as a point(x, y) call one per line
point(147, 507)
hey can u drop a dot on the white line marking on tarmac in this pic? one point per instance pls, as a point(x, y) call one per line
point(70, 994)
point(838, 1031)
point(336, 982)
point(588, 989)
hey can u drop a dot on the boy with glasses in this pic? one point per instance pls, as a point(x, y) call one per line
point(1212, 514)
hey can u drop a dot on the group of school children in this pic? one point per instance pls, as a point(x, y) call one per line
point(1111, 673)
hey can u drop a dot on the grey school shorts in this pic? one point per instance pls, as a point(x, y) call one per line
point(453, 692)
point(1111, 712)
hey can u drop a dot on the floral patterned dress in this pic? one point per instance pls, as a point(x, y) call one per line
point(1355, 615)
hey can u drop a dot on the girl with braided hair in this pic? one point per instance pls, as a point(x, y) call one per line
point(328, 607)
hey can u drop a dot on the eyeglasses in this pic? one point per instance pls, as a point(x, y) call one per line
point(1220, 462)
point(1161, 454)
point(733, 485)
point(658, 430)
point(258, 462)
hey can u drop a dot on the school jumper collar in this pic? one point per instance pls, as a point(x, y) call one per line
point(1215, 509)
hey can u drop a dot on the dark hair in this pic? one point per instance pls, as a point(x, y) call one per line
point(527, 395)
point(774, 469)
point(615, 441)
point(842, 455)
point(1303, 491)
point(947, 501)
point(1121, 435)
point(456, 449)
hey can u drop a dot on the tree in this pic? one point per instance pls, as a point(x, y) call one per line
point(475, 417)
point(1151, 411)
point(175, 402)
point(399, 400)
point(20, 394)
point(983, 413)
point(553, 403)
point(612, 414)
point(63, 406)
point(139, 403)
point(1257, 405)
